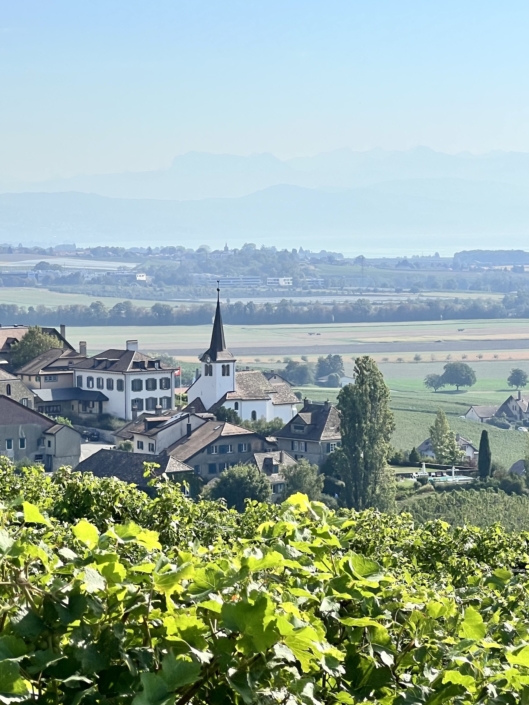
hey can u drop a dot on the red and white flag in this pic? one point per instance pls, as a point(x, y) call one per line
point(178, 372)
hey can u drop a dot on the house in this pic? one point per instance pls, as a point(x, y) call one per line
point(468, 449)
point(271, 464)
point(217, 445)
point(52, 369)
point(481, 413)
point(24, 433)
point(515, 408)
point(12, 387)
point(132, 382)
point(313, 433)
point(130, 467)
point(155, 434)
point(11, 335)
point(248, 392)
point(70, 400)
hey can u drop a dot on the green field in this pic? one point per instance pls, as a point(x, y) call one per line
point(27, 296)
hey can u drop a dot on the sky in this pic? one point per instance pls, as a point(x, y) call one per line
point(97, 86)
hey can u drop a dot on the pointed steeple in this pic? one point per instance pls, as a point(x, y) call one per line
point(217, 348)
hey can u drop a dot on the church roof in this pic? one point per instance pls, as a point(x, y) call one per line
point(217, 350)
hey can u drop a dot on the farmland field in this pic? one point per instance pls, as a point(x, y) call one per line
point(28, 296)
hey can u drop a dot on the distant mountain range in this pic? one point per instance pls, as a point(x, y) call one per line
point(342, 200)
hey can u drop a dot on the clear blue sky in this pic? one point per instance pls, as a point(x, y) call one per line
point(111, 85)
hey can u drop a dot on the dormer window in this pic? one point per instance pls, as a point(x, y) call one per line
point(298, 428)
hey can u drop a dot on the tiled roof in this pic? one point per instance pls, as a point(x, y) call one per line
point(130, 467)
point(69, 394)
point(114, 360)
point(12, 334)
point(137, 424)
point(278, 457)
point(57, 358)
point(322, 422)
point(484, 412)
point(202, 437)
point(12, 413)
point(5, 376)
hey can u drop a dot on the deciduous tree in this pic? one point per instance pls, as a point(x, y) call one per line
point(458, 374)
point(34, 343)
point(366, 426)
point(518, 378)
point(434, 382)
point(443, 441)
point(303, 477)
point(239, 483)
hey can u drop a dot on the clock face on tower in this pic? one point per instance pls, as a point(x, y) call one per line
point(207, 358)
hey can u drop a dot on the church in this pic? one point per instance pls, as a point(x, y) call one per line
point(248, 392)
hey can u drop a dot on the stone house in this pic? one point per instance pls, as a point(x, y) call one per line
point(11, 386)
point(313, 433)
point(24, 433)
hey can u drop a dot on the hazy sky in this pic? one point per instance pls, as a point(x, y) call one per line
point(112, 85)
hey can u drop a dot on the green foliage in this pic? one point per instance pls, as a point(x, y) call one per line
point(64, 420)
point(126, 446)
point(414, 457)
point(35, 342)
point(304, 478)
point(433, 381)
point(238, 484)
point(517, 378)
point(298, 373)
point(229, 415)
point(366, 428)
point(443, 440)
point(485, 456)
point(458, 374)
point(308, 607)
point(265, 428)
point(332, 364)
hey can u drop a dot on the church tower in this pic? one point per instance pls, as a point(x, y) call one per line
point(218, 366)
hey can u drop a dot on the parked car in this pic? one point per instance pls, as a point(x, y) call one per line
point(91, 436)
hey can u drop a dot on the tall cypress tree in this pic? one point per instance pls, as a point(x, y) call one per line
point(366, 427)
point(484, 456)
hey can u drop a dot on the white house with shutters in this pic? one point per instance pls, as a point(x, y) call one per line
point(132, 381)
point(248, 392)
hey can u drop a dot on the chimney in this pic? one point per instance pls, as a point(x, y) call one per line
point(191, 409)
point(132, 345)
point(158, 409)
point(327, 404)
point(519, 395)
point(188, 430)
point(82, 347)
point(63, 330)
point(281, 457)
point(134, 412)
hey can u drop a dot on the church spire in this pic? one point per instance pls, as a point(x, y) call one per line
point(217, 348)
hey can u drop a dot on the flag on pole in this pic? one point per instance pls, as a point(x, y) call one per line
point(178, 372)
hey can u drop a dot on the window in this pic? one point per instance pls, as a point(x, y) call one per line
point(50, 409)
point(236, 406)
point(49, 444)
point(165, 402)
point(90, 382)
point(213, 450)
point(226, 448)
point(254, 415)
point(151, 447)
point(24, 401)
point(110, 384)
point(22, 443)
point(299, 445)
point(139, 445)
point(79, 380)
point(50, 378)
point(138, 403)
point(100, 383)
point(225, 370)
point(37, 378)
point(212, 468)
point(208, 370)
point(196, 468)
point(150, 403)
point(119, 385)
point(243, 447)
point(165, 383)
point(331, 447)
point(9, 444)
point(298, 428)
point(151, 384)
point(137, 385)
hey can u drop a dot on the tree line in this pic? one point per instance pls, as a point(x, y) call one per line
point(239, 313)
